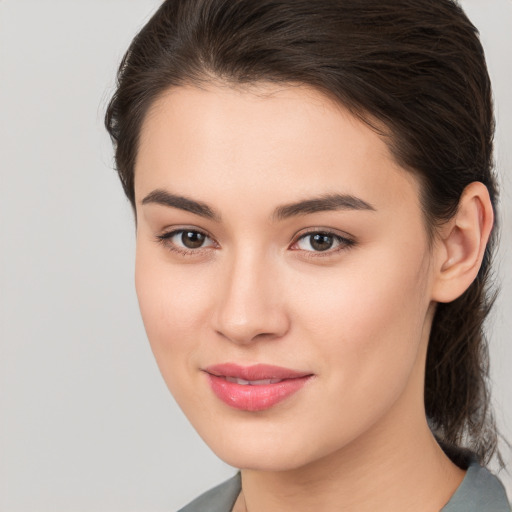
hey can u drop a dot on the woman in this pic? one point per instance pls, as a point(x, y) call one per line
point(314, 197)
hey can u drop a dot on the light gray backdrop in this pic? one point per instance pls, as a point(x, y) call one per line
point(86, 422)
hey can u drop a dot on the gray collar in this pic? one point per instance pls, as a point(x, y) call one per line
point(219, 499)
point(480, 491)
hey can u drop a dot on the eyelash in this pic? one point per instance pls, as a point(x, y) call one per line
point(344, 243)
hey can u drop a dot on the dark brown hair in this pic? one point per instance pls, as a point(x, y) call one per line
point(413, 68)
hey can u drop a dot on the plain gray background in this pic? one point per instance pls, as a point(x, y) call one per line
point(86, 422)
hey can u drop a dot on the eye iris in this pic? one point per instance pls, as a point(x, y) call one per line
point(321, 242)
point(192, 239)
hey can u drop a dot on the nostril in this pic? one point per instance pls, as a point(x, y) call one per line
point(253, 332)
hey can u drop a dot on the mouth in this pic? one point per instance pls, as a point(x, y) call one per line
point(254, 388)
point(259, 382)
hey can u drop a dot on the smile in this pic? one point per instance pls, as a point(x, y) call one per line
point(254, 388)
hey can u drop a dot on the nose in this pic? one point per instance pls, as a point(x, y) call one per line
point(250, 304)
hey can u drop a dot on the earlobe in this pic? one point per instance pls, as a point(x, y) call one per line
point(461, 244)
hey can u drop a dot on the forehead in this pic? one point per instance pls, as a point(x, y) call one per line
point(263, 138)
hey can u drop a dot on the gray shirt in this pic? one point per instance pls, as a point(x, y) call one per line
point(480, 491)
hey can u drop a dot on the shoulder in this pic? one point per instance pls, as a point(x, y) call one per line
point(480, 491)
point(219, 499)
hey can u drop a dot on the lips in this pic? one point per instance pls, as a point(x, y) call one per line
point(254, 388)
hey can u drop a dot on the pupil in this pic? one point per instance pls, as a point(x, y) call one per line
point(192, 239)
point(321, 242)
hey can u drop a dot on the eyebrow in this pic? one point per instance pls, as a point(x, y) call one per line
point(328, 202)
point(165, 198)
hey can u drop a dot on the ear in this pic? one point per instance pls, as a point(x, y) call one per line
point(461, 243)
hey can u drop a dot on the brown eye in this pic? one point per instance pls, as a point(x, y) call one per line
point(192, 239)
point(321, 242)
point(182, 240)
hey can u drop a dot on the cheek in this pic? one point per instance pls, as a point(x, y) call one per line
point(172, 302)
point(368, 320)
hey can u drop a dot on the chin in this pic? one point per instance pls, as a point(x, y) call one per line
point(271, 449)
point(262, 458)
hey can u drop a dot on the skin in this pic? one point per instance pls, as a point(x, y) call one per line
point(356, 316)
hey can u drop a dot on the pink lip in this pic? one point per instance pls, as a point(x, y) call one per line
point(254, 397)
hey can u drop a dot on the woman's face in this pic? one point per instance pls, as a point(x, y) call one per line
point(274, 229)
